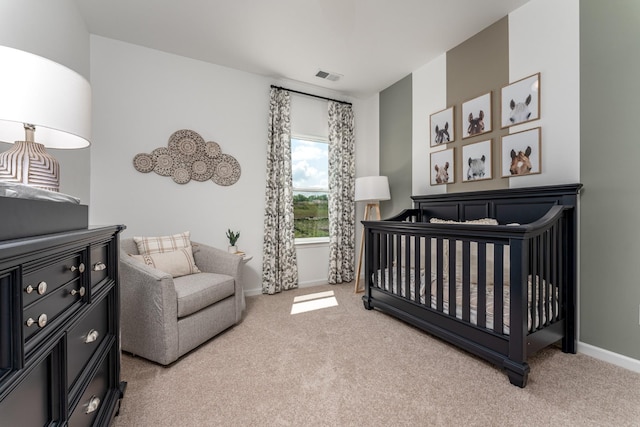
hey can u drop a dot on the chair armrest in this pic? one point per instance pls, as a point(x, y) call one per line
point(214, 260)
point(149, 311)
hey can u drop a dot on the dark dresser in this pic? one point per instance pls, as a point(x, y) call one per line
point(59, 328)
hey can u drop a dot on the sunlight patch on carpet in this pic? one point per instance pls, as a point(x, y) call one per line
point(315, 301)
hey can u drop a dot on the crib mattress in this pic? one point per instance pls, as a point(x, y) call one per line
point(541, 312)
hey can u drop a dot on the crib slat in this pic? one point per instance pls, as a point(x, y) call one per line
point(481, 311)
point(533, 258)
point(466, 281)
point(428, 275)
point(452, 277)
point(439, 274)
point(547, 273)
point(554, 273)
point(398, 263)
point(385, 278)
point(417, 241)
point(498, 288)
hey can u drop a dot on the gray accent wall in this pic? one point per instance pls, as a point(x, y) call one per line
point(477, 66)
point(609, 155)
point(396, 144)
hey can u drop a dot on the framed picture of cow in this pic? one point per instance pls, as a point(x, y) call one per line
point(520, 101)
point(476, 116)
point(476, 161)
point(442, 127)
point(521, 154)
point(442, 167)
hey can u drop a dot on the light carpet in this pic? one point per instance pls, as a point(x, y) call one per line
point(347, 366)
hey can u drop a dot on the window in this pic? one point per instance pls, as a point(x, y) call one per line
point(310, 170)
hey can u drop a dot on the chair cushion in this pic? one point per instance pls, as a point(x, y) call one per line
point(177, 263)
point(198, 291)
point(160, 244)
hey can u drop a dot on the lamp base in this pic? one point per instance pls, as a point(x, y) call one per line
point(28, 162)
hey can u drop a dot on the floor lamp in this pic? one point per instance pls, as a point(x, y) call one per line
point(372, 190)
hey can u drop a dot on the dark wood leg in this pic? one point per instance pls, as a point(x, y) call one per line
point(367, 303)
point(518, 373)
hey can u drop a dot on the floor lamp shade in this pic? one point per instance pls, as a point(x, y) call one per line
point(40, 99)
point(372, 189)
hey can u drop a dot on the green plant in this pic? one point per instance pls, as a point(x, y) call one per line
point(233, 237)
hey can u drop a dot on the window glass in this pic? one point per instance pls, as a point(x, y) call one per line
point(310, 170)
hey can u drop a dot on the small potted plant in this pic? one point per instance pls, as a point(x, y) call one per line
point(233, 238)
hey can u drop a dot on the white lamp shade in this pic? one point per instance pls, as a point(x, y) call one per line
point(50, 96)
point(372, 189)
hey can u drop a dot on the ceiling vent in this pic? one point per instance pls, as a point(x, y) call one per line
point(328, 75)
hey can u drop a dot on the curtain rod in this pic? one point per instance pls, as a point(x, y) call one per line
point(310, 94)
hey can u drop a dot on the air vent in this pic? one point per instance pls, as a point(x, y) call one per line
point(328, 75)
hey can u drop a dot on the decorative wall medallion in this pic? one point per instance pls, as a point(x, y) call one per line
point(186, 157)
point(226, 170)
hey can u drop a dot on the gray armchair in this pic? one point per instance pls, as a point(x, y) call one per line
point(162, 317)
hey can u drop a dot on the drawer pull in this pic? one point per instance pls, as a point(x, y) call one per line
point(42, 288)
point(92, 336)
point(79, 268)
point(94, 402)
point(99, 266)
point(42, 321)
point(80, 291)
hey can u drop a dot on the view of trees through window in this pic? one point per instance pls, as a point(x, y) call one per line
point(310, 169)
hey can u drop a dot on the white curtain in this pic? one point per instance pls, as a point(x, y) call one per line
point(341, 193)
point(279, 263)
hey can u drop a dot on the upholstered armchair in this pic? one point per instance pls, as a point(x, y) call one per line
point(163, 317)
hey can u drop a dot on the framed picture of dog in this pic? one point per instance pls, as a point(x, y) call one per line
point(476, 116)
point(521, 154)
point(442, 167)
point(476, 161)
point(520, 101)
point(442, 127)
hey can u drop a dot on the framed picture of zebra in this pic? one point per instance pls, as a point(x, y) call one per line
point(442, 167)
point(476, 161)
point(442, 127)
point(520, 101)
point(520, 153)
point(476, 116)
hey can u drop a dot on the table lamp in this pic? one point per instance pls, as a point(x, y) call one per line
point(43, 100)
point(370, 189)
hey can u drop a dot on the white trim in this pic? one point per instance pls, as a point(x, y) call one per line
point(258, 291)
point(609, 356)
point(309, 242)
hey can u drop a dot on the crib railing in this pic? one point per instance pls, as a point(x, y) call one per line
point(492, 277)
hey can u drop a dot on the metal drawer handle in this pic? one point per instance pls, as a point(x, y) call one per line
point(80, 291)
point(79, 268)
point(99, 266)
point(42, 321)
point(42, 288)
point(91, 336)
point(94, 402)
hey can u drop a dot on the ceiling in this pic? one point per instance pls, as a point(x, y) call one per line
point(370, 43)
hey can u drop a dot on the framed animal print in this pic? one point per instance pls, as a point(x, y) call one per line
point(521, 154)
point(442, 127)
point(476, 161)
point(476, 116)
point(520, 101)
point(442, 167)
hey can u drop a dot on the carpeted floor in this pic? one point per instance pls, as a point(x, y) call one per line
point(346, 366)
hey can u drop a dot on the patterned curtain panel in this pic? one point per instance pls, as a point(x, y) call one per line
point(341, 193)
point(279, 264)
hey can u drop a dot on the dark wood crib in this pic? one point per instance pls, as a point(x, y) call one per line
point(501, 292)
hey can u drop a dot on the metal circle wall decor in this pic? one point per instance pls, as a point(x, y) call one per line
point(226, 170)
point(188, 157)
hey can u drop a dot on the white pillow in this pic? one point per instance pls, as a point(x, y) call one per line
point(177, 263)
point(156, 245)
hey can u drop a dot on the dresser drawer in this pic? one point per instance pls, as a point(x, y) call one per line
point(93, 397)
point(36, 317)
point(85, 337)
point(43, 280)
point(99, 263)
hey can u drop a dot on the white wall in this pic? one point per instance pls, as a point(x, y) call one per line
point(544, 36)
point(429, 96)
point(54, 30)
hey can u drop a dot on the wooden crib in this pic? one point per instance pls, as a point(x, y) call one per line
point(501, 292)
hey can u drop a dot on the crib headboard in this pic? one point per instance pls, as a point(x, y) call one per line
point(521, 205)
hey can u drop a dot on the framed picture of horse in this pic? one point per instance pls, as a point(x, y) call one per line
point(476, 159)
point(442, 167)
point(521, 154)
point(476, 116)
point(442, 127)
point(520, 101)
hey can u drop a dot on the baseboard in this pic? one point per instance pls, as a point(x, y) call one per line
point(609, 356)
point(258, 291)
